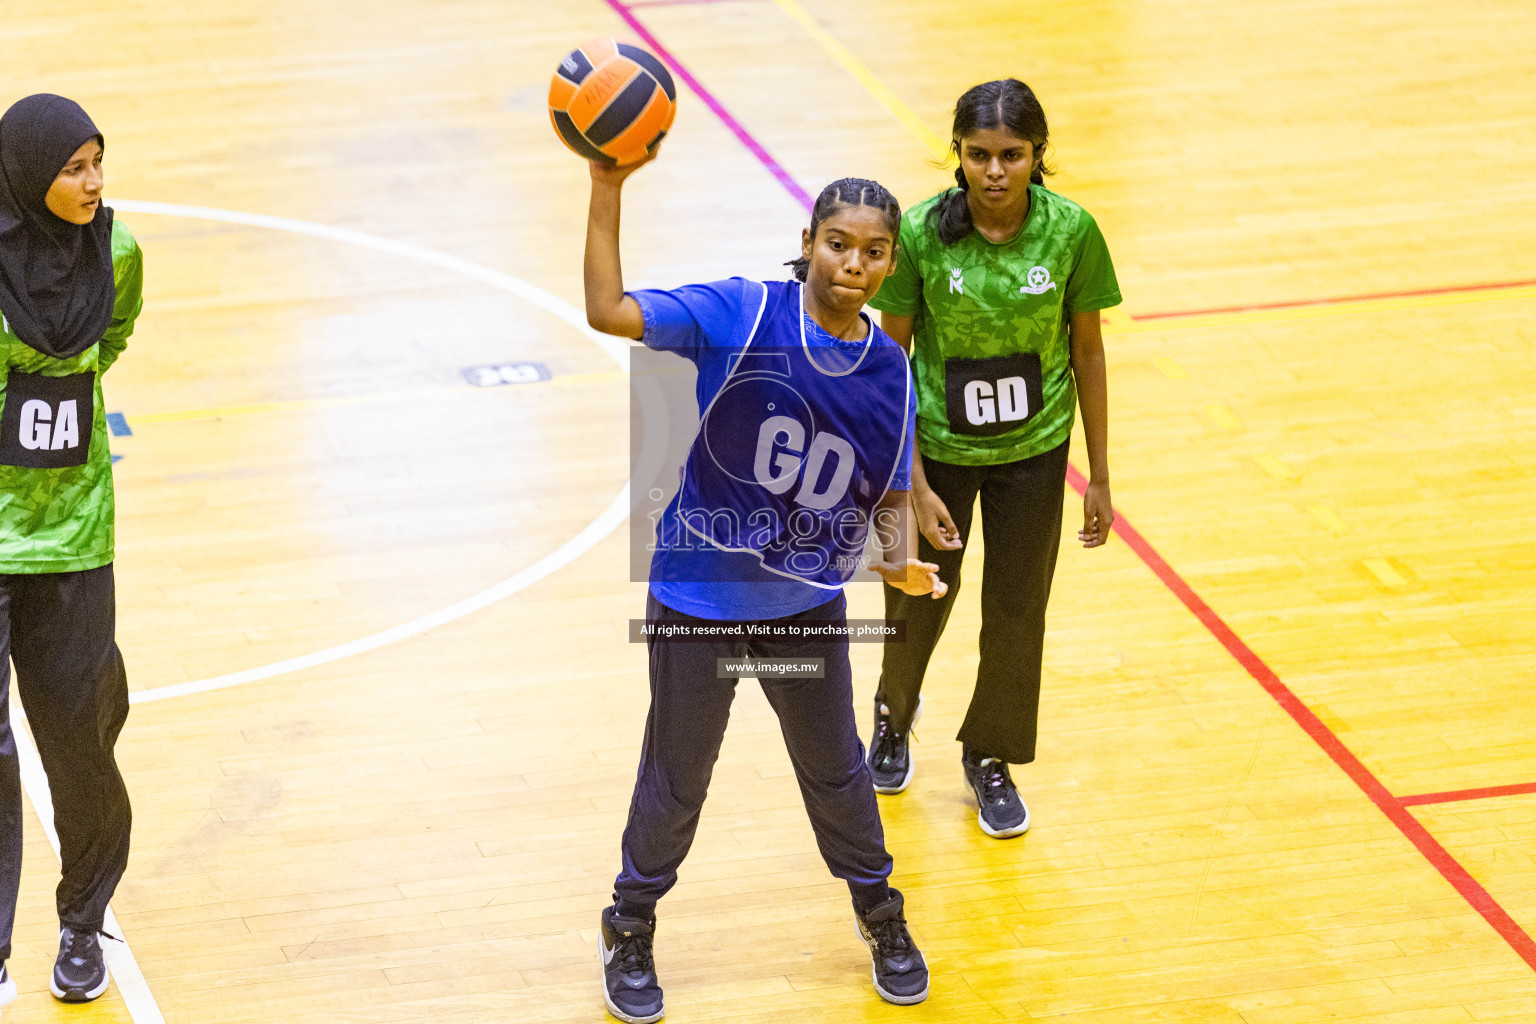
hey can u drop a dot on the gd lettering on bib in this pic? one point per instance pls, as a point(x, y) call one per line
point(987, 397)
point(46, 422)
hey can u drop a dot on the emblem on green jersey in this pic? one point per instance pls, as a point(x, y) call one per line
point(957, 280)
point(1037, 281)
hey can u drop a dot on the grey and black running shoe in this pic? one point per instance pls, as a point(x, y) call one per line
point(900, 972)
point(80, 972)
point(1000, 811)
point(630, 987)
point(890, 756)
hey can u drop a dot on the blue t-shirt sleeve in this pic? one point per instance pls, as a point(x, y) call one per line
point(902, 480)
point(697, 316)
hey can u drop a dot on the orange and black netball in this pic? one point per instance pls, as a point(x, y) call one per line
point(612, 102)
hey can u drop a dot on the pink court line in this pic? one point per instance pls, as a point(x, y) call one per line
point(684, 3)
point(1467, 794)
point(1394, 808)
point(716, 107)
point(1339, 300)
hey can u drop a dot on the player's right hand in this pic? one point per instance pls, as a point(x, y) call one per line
point(605, 175)
point(933, 520)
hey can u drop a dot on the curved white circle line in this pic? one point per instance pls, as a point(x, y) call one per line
point(551, 563)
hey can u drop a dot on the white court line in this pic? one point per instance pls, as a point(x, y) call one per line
point(551, 563)
point(562, 556)
point(125, 969)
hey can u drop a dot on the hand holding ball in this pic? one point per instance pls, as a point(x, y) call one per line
point(611, 102)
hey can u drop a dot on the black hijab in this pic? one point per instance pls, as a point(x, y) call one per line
point(56, 285)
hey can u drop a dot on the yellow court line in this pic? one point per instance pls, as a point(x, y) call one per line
point(930, 139)
point(305, 404)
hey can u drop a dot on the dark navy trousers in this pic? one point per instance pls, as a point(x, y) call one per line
point(59, 629)
point(683, 731)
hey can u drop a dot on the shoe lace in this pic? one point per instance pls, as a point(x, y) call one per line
point(633, 954)
point(81, 945)
point(892, 937)
point(886, 738)
point(996, 782)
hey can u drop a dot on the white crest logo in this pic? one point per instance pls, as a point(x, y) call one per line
point(1038, 281)
point(957, 280)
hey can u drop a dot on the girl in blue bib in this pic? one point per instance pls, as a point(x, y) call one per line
point(803, 448)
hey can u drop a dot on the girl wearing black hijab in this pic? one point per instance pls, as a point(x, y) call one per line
point(70, 289)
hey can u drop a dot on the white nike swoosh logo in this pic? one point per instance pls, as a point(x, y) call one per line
point(607, 953)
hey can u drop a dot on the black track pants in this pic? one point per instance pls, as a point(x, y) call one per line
point(1021, 507)
point(683, 731)
point(59, 630)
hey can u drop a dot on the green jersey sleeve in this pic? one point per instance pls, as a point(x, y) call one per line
point(128, 274)
point(902, 292)
point(1092, 283)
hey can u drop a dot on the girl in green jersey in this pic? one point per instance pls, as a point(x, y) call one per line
point(70, 285)
point(997, 296)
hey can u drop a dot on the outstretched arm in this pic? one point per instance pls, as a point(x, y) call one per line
point(608, 309)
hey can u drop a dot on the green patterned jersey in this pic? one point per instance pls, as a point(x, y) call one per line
point(991, 339)
point(56, 505)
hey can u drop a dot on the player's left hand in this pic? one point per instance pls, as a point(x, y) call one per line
point(912, 577)
point(1098, 515)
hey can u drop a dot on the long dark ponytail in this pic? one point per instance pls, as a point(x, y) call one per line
point(849, 192)
point(1008, 104)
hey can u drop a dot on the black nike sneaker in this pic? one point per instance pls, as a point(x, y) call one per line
point(630, 987)
point(890, 757)
point(900, 972)
point(80, 972)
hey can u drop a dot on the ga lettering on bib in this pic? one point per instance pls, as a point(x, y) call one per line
point(46, 421)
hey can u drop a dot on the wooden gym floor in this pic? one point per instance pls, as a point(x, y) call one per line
point(1288, 758)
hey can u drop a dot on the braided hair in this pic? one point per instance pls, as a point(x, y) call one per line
point(849, 192)
point(1008, 104)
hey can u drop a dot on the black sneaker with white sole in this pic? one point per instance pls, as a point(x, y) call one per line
point(7, 986)
point(1000, 811)
point(900, 972)
point(630, 987)
point(80, 972)
point(890, 757)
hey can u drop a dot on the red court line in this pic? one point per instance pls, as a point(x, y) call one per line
point(1394, 809)
point(1467, 794)
point(1338, 300)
